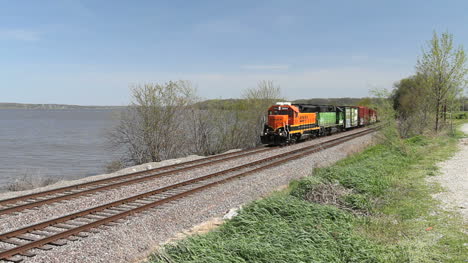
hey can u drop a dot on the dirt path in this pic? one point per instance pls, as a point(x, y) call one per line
point(454, 179)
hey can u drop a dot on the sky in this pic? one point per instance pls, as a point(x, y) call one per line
point(90, 52)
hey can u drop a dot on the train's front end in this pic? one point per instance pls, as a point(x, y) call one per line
point(277, 129)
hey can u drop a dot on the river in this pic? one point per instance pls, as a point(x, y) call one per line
point(64, 144)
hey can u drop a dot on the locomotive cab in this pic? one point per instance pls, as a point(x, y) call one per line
point(276, 130)
point(279, 116)
point(286, 124)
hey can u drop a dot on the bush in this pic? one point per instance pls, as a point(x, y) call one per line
point(460, 115)
point(114, 166)
point(28, 182)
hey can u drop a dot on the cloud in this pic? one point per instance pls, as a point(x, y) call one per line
point(266, 67)
point(20, 34)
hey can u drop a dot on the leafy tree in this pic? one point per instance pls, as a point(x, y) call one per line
point(443, 69)
point(412, 103)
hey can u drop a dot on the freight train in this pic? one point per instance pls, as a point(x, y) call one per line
point(288, 123)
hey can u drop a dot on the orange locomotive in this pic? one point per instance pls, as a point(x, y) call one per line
point(287, 124)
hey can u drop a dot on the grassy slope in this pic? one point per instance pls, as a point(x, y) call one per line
point(403, 223)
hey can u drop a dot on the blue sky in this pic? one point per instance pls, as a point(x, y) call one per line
point(90, 52)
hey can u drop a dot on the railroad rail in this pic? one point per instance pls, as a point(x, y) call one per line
point(71, 227)
point(21, 203)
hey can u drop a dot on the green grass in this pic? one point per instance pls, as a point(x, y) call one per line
point(278, 229)
point(385, 214)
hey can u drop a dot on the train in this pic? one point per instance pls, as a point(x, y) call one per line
point(290, 123)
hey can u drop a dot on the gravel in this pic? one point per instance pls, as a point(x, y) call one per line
point(454, 179)
point(135, 237)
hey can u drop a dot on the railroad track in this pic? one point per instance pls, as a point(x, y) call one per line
point(29, 201)
point(59, 231)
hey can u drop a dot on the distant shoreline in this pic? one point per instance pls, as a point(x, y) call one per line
point(25, 106)
point(216, 103)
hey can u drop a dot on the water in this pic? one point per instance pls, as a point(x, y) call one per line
point(66, 144)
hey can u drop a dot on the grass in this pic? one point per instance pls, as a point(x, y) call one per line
point(278, 229)
point(375, 206)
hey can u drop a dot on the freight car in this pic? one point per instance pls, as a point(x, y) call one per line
point(366, 116)
point(289, 123)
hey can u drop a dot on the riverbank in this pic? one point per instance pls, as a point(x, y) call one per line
point(375, 206)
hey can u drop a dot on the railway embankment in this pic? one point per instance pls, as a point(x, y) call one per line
point(134, 236)
point(375, 206)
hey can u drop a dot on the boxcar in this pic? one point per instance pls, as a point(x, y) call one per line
point(329, 117)
point(363, 115)
point(351, 117)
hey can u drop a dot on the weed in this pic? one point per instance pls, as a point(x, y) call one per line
point(28, 182)
point(278, 229)
point(114, 166)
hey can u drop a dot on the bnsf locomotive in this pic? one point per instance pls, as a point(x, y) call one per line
point(289, 123)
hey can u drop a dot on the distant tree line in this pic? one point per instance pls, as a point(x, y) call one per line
point(333, 101)
point(225, 104)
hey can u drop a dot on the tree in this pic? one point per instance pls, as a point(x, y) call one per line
point(153, 127)
point(444, 71)
point(237, 123)
point(413, 105)
point(257, 101)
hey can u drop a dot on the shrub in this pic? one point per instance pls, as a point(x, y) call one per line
point(114, 166)
point(28, 182)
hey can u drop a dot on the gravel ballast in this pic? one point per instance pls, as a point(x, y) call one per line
point(135, 237)
point(454, 179)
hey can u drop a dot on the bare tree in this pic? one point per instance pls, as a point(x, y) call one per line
point(202, 134)
point(257, 101)
point(153, 127)
point(233, 124)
